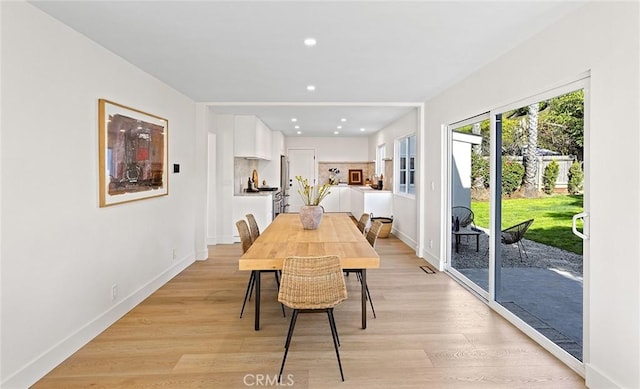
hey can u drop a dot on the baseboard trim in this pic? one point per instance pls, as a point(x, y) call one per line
point(221, 239)
point(432, 260)
point(48, 360)
point(594, 378)
point(202, 255)
point(405, 238)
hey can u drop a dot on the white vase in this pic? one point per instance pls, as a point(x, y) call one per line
point(311, 216)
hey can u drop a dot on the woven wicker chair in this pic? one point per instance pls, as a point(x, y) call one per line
point(373, 232)
point(245, 238)
point(312, 284)
point(362, 223)
point(253, 227)
point(372, 235)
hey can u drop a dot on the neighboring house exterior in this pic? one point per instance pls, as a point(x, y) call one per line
point(461, 149)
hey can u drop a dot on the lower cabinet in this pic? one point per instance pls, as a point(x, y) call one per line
point(378, 203)
point(345, 199)
point(331, 203)
point(261, 206)
point(357, 203)
point(338, 200)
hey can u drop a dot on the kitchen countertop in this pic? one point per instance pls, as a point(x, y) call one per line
point(261, 193)
point(365, 189)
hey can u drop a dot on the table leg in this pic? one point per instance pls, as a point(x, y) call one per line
point(457, 242)
point(257, 302)
point(477, 242)
point(363, 293)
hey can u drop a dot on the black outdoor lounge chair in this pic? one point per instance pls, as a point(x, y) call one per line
point(464, 215)
point(514, 234)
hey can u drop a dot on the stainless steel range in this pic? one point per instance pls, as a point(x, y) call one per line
point(279, 205)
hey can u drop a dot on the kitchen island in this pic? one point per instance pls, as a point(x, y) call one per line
point(260, 204)
point(359, 199)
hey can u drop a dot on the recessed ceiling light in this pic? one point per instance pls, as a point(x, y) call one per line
point(343, 120)
point(362, 129)
point(336, 132)
point(310, 42)
point(296, 127)
point(311, 88)
point(299, 132)
point(294, 120)
point(339, 127)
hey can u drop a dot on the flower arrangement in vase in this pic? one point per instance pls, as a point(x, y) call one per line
point(333, 177)
point(311, 212)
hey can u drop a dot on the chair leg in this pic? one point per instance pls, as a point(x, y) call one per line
point(368, 295)
point(253, 274)
point(523, 248)
point(334, 333)
point(247, 294)
point(334, 330)
point(371, 302)
point(277, 275)
point(288, 342)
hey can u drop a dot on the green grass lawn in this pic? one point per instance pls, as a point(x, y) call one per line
point(552, 224)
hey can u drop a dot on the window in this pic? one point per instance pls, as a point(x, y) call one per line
point(380, 155)
point(406, 170)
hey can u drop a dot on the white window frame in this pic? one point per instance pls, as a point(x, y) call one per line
point(402, 145)
point(380, 156)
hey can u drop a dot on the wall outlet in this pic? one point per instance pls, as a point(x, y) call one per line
point(430, 243)
point(174, 255)
point(114, 292)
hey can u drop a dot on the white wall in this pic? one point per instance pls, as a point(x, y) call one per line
point(405, 215)
point(223, 127)
point(60, 252)
point(602, 38)
point(338, 149)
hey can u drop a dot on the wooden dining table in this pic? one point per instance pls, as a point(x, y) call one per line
point(285, 237)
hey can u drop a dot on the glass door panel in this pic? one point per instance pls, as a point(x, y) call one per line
point(470, 211)
point(538, 260)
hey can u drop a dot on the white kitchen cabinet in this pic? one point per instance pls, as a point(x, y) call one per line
point(378, 203)
point(251, 138)
point(357, 203)
point(331, 203)
point(345, 198)
point(339, 200)
point(371, 201)
point(260, 205)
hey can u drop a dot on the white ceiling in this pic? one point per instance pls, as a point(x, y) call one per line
point(376, 56)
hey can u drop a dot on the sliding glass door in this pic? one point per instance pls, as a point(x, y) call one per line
point(519, 172)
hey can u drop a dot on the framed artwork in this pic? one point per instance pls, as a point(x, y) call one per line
point(355, 176)
point(132, 154)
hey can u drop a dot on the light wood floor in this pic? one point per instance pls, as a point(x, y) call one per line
point(430, 333)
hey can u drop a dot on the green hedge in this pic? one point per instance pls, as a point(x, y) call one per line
point(550, 176)
point(512, 174)
point(576, 178)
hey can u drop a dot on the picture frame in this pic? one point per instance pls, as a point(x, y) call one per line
point(133, 154)
point(355, 176)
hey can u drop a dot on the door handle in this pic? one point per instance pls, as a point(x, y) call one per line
point(574, 228)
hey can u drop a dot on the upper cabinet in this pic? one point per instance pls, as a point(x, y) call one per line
point(252, 138)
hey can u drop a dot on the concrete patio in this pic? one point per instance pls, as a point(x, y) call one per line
point(544, 289)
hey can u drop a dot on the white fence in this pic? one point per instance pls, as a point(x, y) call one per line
point(564, 161)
